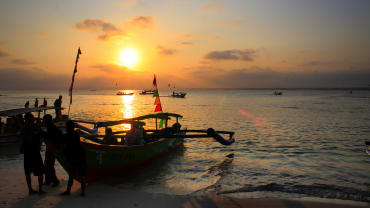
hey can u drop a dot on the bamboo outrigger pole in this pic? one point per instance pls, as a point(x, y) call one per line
point(73, 79)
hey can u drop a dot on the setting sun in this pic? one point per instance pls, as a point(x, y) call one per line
point(128, 58)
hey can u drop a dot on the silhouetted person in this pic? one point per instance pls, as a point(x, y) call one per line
point(58, 106)
point(109, 138)
point(36, 103)
point(76, 158)
point(45, 103)
point(27, 104)
point(31, 147)
point(53, 138)
point(135, 136)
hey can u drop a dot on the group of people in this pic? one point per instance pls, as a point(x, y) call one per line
point(136, 136)
point(57, 105)
point(68, 143)
point(44, 104)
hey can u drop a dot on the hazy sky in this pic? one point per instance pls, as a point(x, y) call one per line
point(234, 43)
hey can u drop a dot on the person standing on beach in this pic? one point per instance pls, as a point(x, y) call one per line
point(76, 158)
point(31, 147)
point(45, 103)
point(58, 108)
point(27, 104)
point(53, 139)
point(36, 103)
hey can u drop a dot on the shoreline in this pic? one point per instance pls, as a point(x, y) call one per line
point(14, 193)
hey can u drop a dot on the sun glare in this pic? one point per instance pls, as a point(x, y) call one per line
point(128, 58)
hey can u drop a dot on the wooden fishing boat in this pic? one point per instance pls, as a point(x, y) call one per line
point(104, 160)
point(278, 93)
point(124, 93)
point(178, 94)
point(147, 92)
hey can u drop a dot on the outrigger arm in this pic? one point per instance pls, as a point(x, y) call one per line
point(209, 133)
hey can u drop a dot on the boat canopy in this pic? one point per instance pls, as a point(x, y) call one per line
point(18, 111)
point(136, 120)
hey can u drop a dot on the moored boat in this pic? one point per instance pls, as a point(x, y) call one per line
point(278, 93)
point(104, 160)
point(178, 94)
point(147, 92)
point(124, 93)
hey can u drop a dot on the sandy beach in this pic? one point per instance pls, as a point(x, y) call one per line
point(13, 193)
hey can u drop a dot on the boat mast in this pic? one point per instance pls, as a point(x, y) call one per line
point(73, 79)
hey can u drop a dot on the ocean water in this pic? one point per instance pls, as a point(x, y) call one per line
point(305, 143)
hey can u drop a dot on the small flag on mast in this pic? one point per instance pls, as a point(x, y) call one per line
point(73, 78)
point(157, 102)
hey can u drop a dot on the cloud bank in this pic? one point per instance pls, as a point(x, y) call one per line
point(256, 77)
point(253, 77)
point(234, 54)
point(21, 62)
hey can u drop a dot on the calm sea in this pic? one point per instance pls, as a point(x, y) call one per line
point(305, 143)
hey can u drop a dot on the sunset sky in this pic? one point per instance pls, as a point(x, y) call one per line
point(190, 44)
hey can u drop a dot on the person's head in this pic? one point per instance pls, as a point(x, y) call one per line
point(70, 126)
point(48, 119)
point(60, 97)
point(108, 131)
point(176, 126)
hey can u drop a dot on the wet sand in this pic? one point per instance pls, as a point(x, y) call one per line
point(14, 193)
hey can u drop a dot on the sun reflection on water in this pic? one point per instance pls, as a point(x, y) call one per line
point(127, 109)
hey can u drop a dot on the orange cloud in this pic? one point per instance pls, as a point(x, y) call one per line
point(186, 43)
point(105, 29)
point(234, 54)
point(143, 21)
point(165, 51)
point(21, 62)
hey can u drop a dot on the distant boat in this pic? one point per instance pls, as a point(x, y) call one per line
point(124, 93)
point(92, 90)
point(178, 94)
point(278, 93)
point(147, 92)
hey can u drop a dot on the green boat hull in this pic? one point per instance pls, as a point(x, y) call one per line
point(106, 160)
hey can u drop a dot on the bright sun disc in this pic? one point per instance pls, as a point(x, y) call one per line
point(128, 57)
